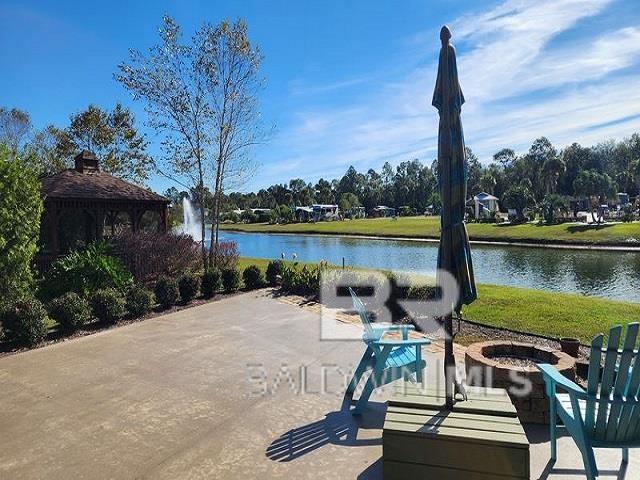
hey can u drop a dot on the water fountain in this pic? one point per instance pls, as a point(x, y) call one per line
point(191, 224)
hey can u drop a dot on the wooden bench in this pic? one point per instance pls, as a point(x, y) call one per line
point(481, 439)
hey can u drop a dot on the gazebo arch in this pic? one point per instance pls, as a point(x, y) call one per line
point(84, 204)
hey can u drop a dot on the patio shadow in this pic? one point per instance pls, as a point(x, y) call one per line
point(373, 471)
point(337, 428)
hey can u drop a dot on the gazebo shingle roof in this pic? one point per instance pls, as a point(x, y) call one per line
point(95, 186)
point(87, 182)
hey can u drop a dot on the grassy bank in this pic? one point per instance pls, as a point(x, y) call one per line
point(429, 227)
point(543, 313)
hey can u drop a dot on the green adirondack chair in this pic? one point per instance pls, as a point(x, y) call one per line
point(388, 359)
point(607, 414)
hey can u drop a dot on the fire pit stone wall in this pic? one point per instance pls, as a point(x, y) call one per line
point(532, 407)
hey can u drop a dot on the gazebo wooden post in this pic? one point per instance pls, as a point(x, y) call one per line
point(52, 223)
point(164, 223)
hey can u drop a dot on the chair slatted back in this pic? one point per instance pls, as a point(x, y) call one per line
point(612, 411)
point(364, 317)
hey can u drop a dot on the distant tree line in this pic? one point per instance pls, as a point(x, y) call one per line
point(542, 176)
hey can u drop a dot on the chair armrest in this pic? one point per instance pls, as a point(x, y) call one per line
point(553, 378)
point(403, 328)
point(403, 343)
point(393, 328)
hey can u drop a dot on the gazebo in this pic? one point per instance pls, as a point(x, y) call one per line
point(84, 204)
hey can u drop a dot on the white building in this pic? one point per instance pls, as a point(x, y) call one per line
point(483, 205)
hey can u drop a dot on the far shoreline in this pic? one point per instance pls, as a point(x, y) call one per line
point(614, 247)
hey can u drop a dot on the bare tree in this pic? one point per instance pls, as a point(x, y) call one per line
point(233, 84)
point(171, 79)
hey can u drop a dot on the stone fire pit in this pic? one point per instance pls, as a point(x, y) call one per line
point(509, 365)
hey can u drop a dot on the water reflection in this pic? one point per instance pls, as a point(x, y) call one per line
point(607, 274)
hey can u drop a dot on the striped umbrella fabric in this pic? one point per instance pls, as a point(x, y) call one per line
point(454, 253)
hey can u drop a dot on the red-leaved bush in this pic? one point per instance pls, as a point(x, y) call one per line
point(225, 255)
point(151, 255)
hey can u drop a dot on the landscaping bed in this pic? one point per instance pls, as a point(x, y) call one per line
point(56, 335)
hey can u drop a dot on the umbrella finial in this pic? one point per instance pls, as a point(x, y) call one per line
point(445, 35)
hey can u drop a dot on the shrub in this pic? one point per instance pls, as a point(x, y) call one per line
point(305, 281)
point(85, 271)
point(108, 305)
point(139, 301)
point(230, 279)
point(167, 292)
point(248, 216)
point(274, 269)
point(24, 322)
point(150, 256)
point(210, 283)
point(263, 216)
point(289, 277)
point(252, 276)
point(225, 255)
point(406, 211)
point(188, 285)
point(627, 214)
point(229, 217)
point(20, 212)
point(70, 310)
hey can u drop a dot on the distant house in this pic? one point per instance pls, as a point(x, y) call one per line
point(355, 212)
point(325, 211)
point(623, 198)
point(258, 211)
point(383, 211)
point(483, 205)
point(303, 214)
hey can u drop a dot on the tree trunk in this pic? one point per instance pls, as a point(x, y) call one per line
point(203, 231)
point(215, 224)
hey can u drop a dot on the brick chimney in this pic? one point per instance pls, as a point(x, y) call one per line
point(86, 161)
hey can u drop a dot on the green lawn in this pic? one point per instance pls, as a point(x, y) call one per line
point(539, 312)
point(429, 227)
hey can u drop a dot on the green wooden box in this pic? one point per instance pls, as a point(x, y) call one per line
point(481, 439)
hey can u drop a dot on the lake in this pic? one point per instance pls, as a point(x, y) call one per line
point(608, 274)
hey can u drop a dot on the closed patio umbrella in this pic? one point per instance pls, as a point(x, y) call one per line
point(454, 254)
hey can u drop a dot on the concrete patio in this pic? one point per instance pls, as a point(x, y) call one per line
point(183, 396)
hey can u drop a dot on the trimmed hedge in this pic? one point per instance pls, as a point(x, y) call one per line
point(253, 278)
point(139, 301)
point(211, 283)
point(24, 322)
point(167, 292)
point(230, 280)
point(108, 305)
point(70, 310)
point(274, 270)
point(188, 286)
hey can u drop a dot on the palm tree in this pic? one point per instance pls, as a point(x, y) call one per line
point(488, 182)
point(552, 169)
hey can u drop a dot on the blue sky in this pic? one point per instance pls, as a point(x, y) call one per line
point(350, 83)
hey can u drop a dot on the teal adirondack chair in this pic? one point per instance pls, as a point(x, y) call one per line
point(389, 359)
point(607, 414)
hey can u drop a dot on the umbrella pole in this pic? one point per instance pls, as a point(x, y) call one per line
point(449, 361)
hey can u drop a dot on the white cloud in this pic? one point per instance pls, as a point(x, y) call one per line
point(520, 83)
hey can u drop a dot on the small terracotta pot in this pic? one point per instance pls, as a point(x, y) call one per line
point(570, 346)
